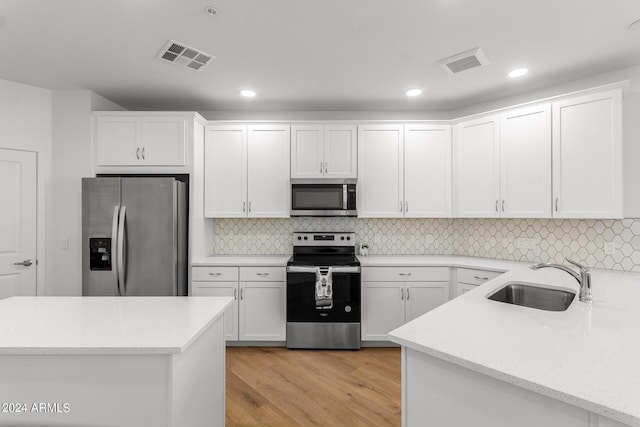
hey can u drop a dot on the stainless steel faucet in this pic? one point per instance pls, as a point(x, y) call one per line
point(584, 279)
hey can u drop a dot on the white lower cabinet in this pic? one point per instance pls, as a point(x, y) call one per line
point(258, 312)
point(392, 296)
point(468, 279)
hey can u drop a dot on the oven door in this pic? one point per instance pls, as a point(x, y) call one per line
point(301, 301)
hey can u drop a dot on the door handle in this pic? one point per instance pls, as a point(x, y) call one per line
point(321, 166)
point(244, 206)
point(235, 294)
point(326, 167)
point(122, 267)
point(556, 204)
point(402, 294)
point(25, 263)
point(502, 205)
point(406, 207)
point(497, 206)
point(143, 158)
point(114, 249)
point(241, 293)
point(262, 274)
point(138, 153)
point(407, 294)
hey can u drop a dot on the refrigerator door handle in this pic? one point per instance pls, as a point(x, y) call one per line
point(114, 248)
point(122, 267)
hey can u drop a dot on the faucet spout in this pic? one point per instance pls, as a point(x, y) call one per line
point(583, 279)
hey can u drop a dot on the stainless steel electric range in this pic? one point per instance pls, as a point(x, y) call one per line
point(323, 292)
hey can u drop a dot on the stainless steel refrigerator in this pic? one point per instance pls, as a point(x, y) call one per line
point(134, 236)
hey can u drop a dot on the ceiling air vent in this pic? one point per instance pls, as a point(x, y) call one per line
point(185, 56)
point(463, 61)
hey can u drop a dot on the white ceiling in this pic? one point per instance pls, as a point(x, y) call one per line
point(311, 54)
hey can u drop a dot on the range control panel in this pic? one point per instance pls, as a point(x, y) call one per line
point(324, 239)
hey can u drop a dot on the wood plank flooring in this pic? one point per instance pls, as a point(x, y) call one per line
point(269, 386)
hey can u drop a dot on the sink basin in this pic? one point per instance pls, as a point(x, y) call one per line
point(533, 296)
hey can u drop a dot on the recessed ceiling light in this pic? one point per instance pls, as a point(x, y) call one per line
point(414, 92)
point(248, 93)
point(518, 72)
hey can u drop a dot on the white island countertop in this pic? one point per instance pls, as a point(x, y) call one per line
point(105, 325)
point(587, 356)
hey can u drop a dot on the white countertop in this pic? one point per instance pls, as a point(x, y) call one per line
point(437, 260)
point(105, 325)
point(242, 260)
point(587, 356)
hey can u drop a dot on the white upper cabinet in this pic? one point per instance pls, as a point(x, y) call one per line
point(225, 171)
point(587, 156)
point(323, 151)
point(525, 163)
point(477, 168)
point(380, 171)
point(127, 139)
point(247, 171)
point(269, 186)
point(427, 170)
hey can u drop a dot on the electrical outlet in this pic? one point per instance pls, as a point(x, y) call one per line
point(526, 243)
point(609, 248)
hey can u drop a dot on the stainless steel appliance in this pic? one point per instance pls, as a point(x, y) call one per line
point(323, 292)
point(323, 197)
point(134, 236)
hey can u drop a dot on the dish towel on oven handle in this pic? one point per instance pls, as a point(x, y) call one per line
point(324, 288)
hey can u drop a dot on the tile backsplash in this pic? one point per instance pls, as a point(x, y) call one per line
point(582, 240)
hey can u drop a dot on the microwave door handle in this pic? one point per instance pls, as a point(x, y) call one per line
point(344, 197)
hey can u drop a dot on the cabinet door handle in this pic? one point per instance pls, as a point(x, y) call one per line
point(143, 158)
point(326, 167)
point(235, 293)
point(497, 206)
point(244, 206)
point(407, 294)
point(320, 166)
point(262, 274)
point(138, 153)
point(215, 274)
point(556, 204)
point(402, 294)
point(405, 274)
point(249, 206)
point(242, 293)
point(480, 278)
point(400, 206)
point(406, 207)
point(502, 205)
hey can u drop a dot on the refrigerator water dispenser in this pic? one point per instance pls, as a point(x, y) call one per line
point(100, 253)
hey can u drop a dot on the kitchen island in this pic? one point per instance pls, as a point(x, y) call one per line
point(474, 361)
point(112, 361)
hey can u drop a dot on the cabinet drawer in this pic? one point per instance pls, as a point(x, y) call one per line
point(262, 274)
point(217, 274)
point(474, 276)
point(405, 274)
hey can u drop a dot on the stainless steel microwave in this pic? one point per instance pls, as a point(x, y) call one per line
point(323, 197)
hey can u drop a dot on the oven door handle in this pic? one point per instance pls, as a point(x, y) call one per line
point(311, 269)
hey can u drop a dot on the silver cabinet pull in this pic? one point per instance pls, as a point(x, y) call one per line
point(401, 206)
point(556, 204)
point(262, 274)
point(249, 206)
point(235, 293)
point(143, 158)
point(25, 263)
point(402, 294)
point(502, 205)
point(405, 274)
point(244, 206)
point(497, 206)
point(407, 294)
point(241, 293)
point(138, 153)
point(480, 278)
point(320, 166)
point(406, 207)
point(215, 274)
point(326, 167)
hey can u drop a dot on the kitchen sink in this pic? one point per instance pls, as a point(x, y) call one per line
point(533, 296)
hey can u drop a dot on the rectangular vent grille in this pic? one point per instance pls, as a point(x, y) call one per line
point(185, 56)
point(463, 61)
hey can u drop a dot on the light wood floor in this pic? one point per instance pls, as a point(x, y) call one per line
point(280, 387)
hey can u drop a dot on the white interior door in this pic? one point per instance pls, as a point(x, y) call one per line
point(17, 223)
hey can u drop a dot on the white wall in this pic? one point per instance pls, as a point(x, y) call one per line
point(71, 158)
point(25, 124)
